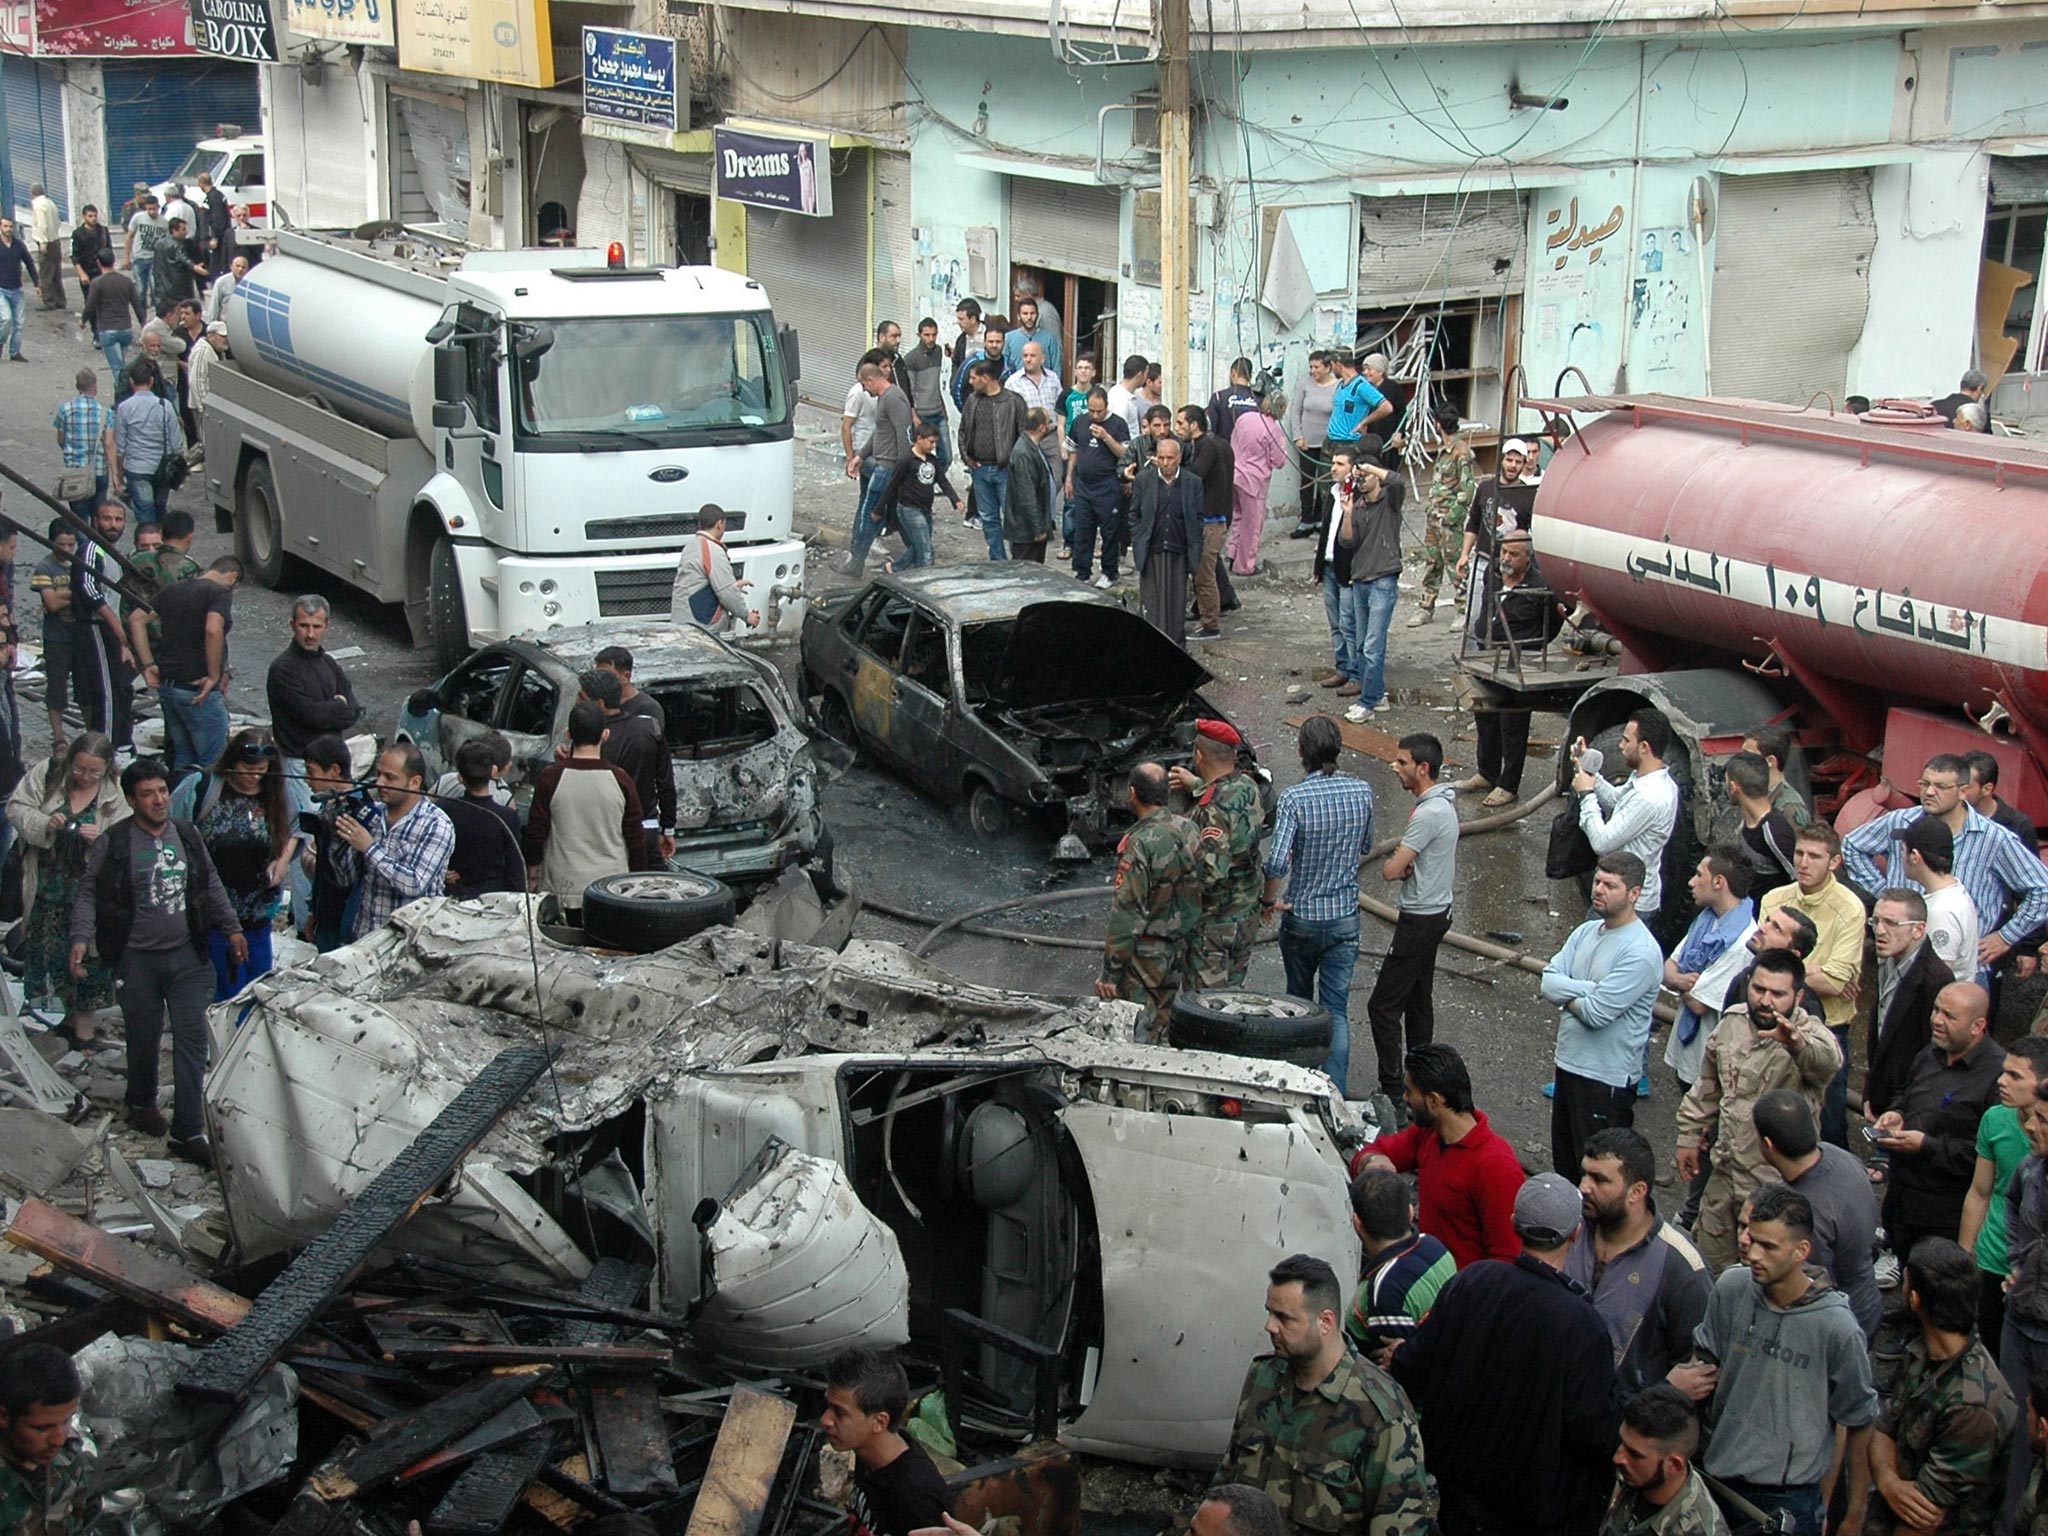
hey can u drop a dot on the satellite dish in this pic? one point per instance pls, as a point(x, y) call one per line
point(1699, 208)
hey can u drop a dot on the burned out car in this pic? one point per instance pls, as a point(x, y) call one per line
point(1003, 688)
point(810, 1149)
point(746, 782)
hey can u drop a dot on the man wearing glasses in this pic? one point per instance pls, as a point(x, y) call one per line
point(2006, 880)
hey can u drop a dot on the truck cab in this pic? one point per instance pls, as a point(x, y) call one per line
point(598, 409)
point(238, 164)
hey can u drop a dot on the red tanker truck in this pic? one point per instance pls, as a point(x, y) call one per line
point(1878, 587)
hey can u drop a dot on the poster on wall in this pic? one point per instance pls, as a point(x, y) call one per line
point(502, 40)
point(369, 23)
point(235, 29)
point(779, 171)
point(630, 77)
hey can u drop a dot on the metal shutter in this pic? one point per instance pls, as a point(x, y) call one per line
point(816, 274)
point(157, 111)
point(895, 250)
point(1791, 283)
point(1423, 249)
point(35, 131)
point(681, 173)
point(1066, 228)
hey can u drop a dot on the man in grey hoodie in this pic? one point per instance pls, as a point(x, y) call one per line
point(1782, 1358)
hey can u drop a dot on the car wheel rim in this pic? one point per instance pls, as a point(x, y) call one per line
point(671, 887)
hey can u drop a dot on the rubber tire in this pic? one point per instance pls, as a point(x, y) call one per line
point(447, 622)
point(615, 918)
point(1292, 1029)
point(989, 816)
point(836, 720)
point(259, 527)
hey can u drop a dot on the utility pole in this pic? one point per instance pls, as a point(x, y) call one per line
point(1176, 185)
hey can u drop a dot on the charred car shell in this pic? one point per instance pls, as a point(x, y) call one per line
point(1002, 685)
point(805, 1145)
point(746, 780)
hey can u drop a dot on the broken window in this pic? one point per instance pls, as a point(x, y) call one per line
point(2011, 334)
point(472, 689)
point(532, 709)
point(983, 650)
point(882, 633)
point(710, 720)
point(439, 138)
point(924, 655)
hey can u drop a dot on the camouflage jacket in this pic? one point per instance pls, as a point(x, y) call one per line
point(53, 1502)
point(1227, 814)
point(1157, 900)
point(1692, 1513)
point(2033, 1511)
point(1453, 477)
point(1341, 1459)
point(1953, 1421)
point(154, 569)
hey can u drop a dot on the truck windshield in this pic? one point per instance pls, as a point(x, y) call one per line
point(653, 378)
point(199, 160)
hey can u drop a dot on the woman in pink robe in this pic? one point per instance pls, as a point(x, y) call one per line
point(1259, 444)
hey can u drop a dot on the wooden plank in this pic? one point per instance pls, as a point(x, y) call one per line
point(481, 1501)
point(743, 1465)
point(230, 1366)
point(429, 1352)
point(402, 1442)
point(127, 1269)
point(1359, 738)
point(632, 1440)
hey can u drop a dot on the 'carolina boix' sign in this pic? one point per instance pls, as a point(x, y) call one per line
point(774, 171)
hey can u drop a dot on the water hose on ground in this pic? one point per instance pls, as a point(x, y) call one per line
point(961, 921)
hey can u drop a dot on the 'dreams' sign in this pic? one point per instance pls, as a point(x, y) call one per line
point(772, 171)
point(629, 77)
point(235, 29)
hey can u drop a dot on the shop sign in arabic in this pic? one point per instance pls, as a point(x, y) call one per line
point(630, 77)
point(502, 40)
point(1574, 236)
point(366, 22)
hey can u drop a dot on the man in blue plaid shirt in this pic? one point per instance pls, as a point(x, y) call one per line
point(1321, 831)
point(408, 857)
point(85, 433)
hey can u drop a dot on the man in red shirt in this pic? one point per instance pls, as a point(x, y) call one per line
point(1466, 1176)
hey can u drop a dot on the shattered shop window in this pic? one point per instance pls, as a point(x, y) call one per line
point(439, 139)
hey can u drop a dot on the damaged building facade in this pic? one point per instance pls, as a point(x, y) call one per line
point(1801, 199)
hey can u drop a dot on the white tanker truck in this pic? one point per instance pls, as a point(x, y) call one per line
point(502, 441)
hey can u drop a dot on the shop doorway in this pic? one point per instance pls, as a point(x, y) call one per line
point(693, 229)
point(554, 174)
point(1087, 310)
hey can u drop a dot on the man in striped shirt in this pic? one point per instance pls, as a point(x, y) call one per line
point(407, 858)
point(2006, 879)
point(1321, 830)
point(1404, 1268)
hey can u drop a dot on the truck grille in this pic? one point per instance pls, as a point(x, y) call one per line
point(666, 526)
point(633, 594)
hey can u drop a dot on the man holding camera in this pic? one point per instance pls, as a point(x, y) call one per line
point(408, 858)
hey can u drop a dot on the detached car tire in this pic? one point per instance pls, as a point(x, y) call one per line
point(652, 909)
point(1291, 1029)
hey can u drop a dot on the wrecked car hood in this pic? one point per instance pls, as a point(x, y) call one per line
point(1072, 652)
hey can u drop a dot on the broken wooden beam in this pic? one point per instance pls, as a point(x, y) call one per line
point(431, 1352)
point(743, 1465)
point(231, 1365)
point(481, 1501)
point(127, 1269)
point(632, 1439)
point(402, 1442)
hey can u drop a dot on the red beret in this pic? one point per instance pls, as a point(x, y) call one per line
point(1218, 730)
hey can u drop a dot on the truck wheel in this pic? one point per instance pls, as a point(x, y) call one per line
point(1245, 1023)
point(259, 529)
point(643, 912)
point(447, 621)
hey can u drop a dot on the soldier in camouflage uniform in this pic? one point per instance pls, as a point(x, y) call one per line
point(1657, 1490)
point(1945, 1433)
point(1227, 814)
point(1156, 904)
point(44, 1456)
point(1326, 1434)
point(1453, 477)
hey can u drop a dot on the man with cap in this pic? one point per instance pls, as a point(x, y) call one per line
point(1226, 814)
point(1512, 1373)
point(1156, 904)
point(1503, 501)
point(211, 345)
